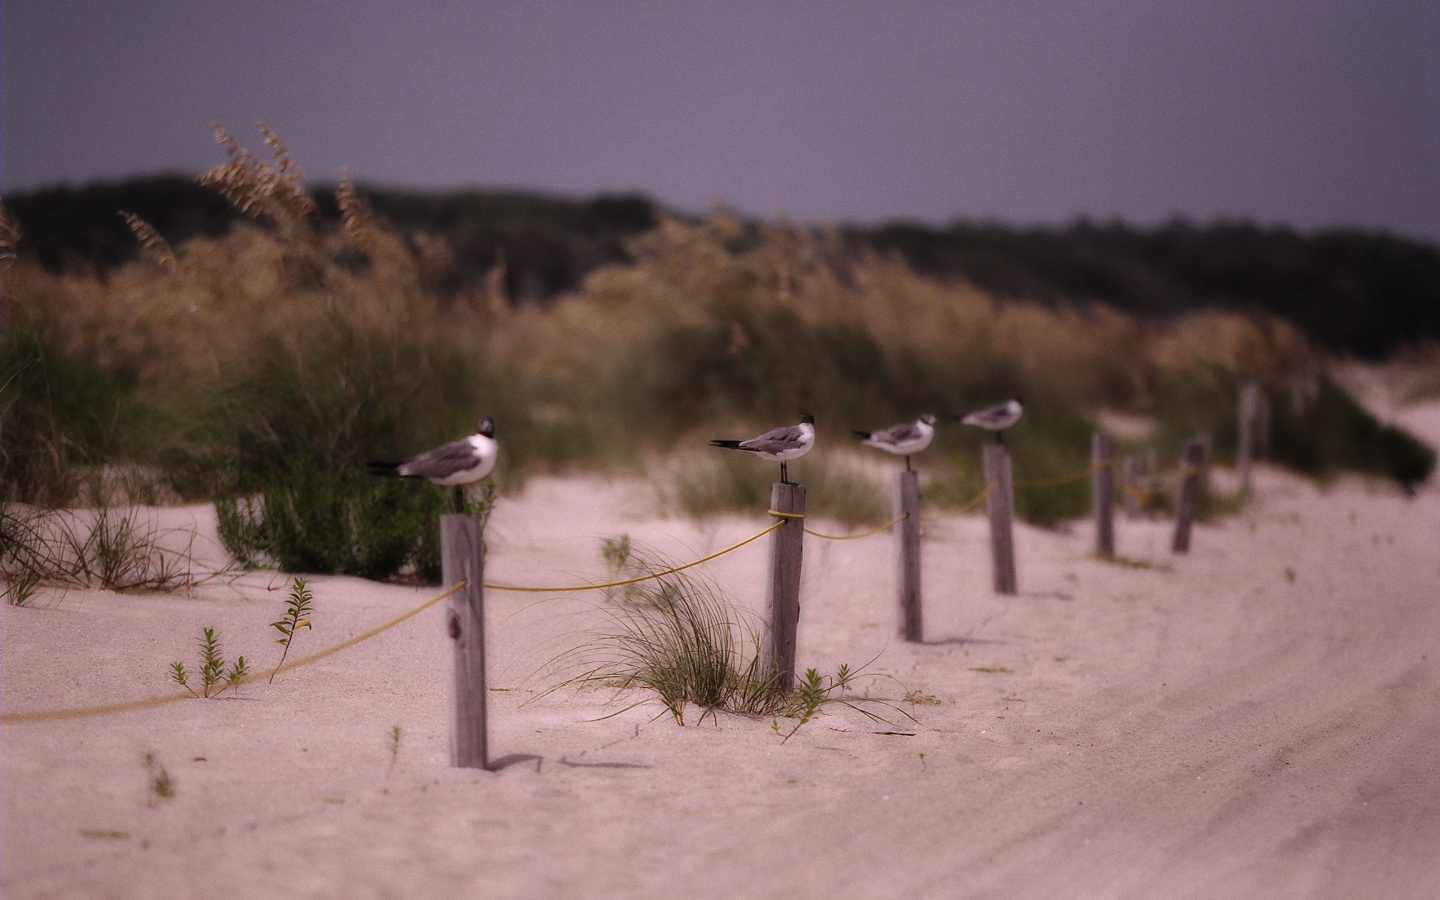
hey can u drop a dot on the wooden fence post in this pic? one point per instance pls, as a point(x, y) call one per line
point(907, 553)
point(787, 547)
point(1192, 462)
point(1132, 481)
point(1000, 503)
point(1245, 449)
point(462, 556)
point(1102, 493)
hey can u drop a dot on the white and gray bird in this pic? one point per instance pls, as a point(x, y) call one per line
point(782, 444)
point(455, 464)
point(996, 418)
point(904, 439)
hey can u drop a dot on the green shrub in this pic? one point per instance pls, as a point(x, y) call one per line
point(303, 517)
point(60, 416)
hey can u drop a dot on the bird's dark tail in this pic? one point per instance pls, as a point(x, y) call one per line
point(728, 445)
point(862, 435)
point(383, 469)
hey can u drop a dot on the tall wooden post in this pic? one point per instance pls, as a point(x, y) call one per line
point(907, 553)
point(462, 556)
point(1133, 486)
point(787, 548)
point(1192, 461)
point(1245, 450)
point(1000, 503)
point(1102, 493)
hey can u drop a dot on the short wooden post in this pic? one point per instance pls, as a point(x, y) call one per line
point(1192, 461)
point(462, 556)
point(1133, 487)
point(1000, 503)
point(1102, 493)
point(787, 548)
point(907, 553)
point(1245, 448)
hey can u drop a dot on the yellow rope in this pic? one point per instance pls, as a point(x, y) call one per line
point(133, 705)
point(969, 504)
point(851, 537)
point(649, 576)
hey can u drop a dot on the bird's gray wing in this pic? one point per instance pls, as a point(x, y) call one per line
point(895, 434)
point(775, 439)
point(442, 462)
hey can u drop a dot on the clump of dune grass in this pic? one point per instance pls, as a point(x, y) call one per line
point(678, 638)
point(111, 548)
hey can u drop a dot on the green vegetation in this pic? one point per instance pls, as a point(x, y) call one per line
point(678, 637)
point(112, 548)
point(160, 786)
point(215, 675)
point(261, 361)
point(298, 609)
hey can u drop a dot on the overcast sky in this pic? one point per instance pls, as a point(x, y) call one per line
point(1302, 113)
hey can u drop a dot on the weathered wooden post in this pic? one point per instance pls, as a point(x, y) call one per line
point(1000, 503)
point(1192, 462)
point(462, 556)
point(1245, 449)
point(906, 508)
point(1102, 493)
point(787, 547)
point(1133, 487)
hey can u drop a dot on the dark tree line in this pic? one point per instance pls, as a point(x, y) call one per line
point(1361, 292)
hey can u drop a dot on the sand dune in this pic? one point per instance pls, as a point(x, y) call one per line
point(1259, 718)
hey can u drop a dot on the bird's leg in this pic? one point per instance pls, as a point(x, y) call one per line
point(784, 477)
point(907, 462)
point(1000, 437)
point(459, 499)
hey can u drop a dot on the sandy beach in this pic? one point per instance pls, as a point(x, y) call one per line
point(1258, 718)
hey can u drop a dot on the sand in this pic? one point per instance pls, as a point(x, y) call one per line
point(1260, 718)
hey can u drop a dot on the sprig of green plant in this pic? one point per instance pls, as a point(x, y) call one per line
point(619, 565)
point(297, 609)
point(812, 693)
point(162, 786)
point(394, 748)
point(215, 676)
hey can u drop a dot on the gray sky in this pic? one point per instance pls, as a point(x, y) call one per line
point(1302, 113)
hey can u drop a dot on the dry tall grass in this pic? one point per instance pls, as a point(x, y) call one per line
point(714, 325)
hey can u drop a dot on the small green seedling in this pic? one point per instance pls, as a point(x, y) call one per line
point(814, 692)
point(214, 676)
point(620, 561)
point(162, 786)
point(394, 748)
point(297, 608)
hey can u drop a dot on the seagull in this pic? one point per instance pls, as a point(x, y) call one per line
point(908, 438)
point(785, 443)
point(455, 464)
point(996, 418)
